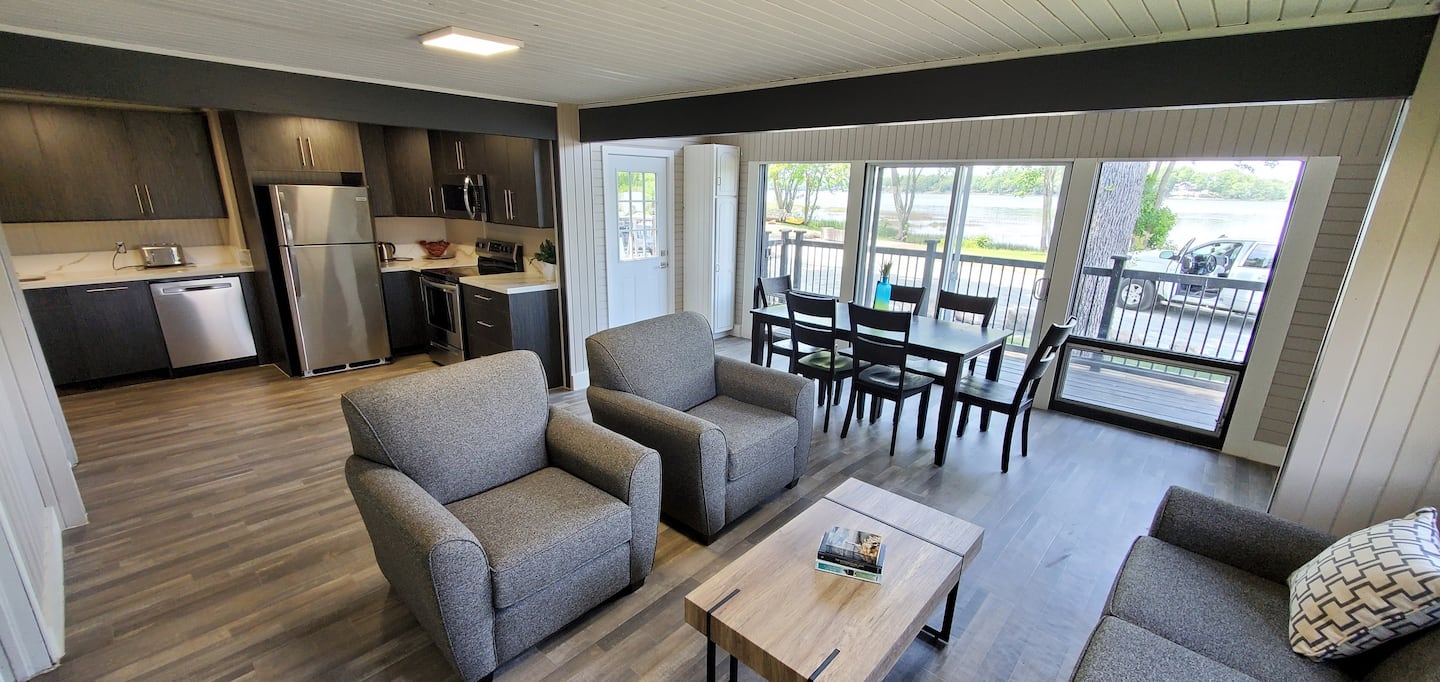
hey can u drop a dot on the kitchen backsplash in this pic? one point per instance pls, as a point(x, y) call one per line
point(28, 239)
point(33, 265)
point(467, 231)
point(406, 233)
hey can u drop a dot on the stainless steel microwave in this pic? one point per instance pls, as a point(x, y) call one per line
point(463, 196)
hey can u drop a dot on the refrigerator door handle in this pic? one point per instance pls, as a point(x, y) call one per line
point(294, 271)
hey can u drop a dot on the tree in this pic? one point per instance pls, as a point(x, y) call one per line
point(1112, 228)
point(821, 177)
point(785, 181)
point(902, 190)
point(1152, 227)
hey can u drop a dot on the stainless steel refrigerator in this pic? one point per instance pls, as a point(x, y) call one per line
point(332, 276)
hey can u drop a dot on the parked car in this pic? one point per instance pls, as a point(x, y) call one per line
point(1234, 259)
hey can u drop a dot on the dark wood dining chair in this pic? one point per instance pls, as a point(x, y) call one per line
point(966, 308)
point(771, 291)
point(961, 308)
point(912, 296)
point(1012, 399)
point(812, 325)
point(880, 343)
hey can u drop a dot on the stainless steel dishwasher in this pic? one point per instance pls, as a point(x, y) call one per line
point(204, 320)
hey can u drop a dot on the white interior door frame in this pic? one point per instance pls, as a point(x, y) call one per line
point(664, 191)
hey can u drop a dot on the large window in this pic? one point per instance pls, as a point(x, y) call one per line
point(982, 230)
point(804, 229)
point(1175, 264)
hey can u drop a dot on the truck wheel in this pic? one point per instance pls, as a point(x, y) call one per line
point(1136, 295)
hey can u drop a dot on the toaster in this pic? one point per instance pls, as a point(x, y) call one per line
point(165, 255)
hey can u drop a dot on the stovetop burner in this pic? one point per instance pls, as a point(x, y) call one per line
point(451, 274)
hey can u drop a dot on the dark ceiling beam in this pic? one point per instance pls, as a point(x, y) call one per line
point(58, 67)
point(1347, 61)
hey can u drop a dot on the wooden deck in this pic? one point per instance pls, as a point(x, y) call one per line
point(223, 543)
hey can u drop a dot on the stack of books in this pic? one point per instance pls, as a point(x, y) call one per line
point(851, 553)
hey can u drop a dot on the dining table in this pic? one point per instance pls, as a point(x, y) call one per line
point(946, 341)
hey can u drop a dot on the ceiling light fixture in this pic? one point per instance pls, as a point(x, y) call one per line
point(461, 40)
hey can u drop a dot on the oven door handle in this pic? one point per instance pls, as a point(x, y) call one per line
point(442, 286)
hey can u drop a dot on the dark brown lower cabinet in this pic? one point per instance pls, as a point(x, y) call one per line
point(404, 315)
point(97, 331)
point(496, 322)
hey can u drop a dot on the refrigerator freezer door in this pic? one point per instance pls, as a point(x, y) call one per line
point(337, 305)
point(322, 214)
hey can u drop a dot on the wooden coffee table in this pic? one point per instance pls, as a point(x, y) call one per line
point(771, 609)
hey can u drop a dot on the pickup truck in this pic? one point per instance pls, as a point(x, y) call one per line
point(1240, 259)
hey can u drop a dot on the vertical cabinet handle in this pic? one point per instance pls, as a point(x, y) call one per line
point(138, 200)
point(431, 191)
point(148, 201)
point(310, 148)
point(300, 145)
point(459, 162)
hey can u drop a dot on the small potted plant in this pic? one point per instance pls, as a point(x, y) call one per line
point(544, 259)
point(882, 288)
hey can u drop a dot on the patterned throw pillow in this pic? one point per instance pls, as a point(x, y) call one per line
point(1370, 587)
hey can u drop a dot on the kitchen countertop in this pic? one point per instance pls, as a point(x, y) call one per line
point(61, 278)
point(426, 264)
point(511, 283)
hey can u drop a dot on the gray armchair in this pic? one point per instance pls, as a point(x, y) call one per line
point(730, 434)
point(496, 519)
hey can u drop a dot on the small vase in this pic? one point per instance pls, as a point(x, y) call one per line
point(882, 294)
point(548, 271)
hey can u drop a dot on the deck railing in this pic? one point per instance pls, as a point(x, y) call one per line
point(1204, 316)
point(815, 265)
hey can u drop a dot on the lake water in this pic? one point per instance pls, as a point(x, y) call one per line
point(1017, 220)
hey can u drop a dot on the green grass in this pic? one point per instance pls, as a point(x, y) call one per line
point(1013, 254)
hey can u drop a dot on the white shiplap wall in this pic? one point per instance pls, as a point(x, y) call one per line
point(1358, 132)
point(582, 233)
point(1368, 446)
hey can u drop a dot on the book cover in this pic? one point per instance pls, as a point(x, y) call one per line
point(846, 571)
point(853, 549)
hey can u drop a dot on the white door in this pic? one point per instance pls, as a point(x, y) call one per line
point(637, 235)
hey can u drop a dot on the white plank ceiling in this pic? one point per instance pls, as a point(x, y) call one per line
point(586, 52)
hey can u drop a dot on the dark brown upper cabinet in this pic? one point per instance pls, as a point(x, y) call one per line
point(399, 172)
point(176, 164)
point(377, 171)
point(519, 181)
point(455, 153)
point(68, 163)
point(412, 177)
point(295, 143)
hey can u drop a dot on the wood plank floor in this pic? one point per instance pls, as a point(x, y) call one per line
point(223, 543)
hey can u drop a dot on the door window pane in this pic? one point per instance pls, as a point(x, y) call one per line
point(635, 203)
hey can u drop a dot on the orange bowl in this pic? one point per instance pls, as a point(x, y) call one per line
point(435, 249)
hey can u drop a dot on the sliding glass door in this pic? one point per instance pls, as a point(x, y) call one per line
point(983, 230)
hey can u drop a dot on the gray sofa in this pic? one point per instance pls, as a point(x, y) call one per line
point(730, 434)
point(1204, 597)
point(496, 519)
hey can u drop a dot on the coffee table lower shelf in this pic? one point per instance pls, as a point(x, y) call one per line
point(772, 610)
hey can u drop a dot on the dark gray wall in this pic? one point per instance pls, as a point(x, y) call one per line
point(1350, 61)
point(79, 70)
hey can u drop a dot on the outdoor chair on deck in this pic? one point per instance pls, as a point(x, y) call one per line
point(1014, 400)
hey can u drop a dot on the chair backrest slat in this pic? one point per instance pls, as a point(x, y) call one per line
point(1045, 353)
point(812, 319)
point(982, 307)
point(880, 337)
point(771, 290)
point(911, 296)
